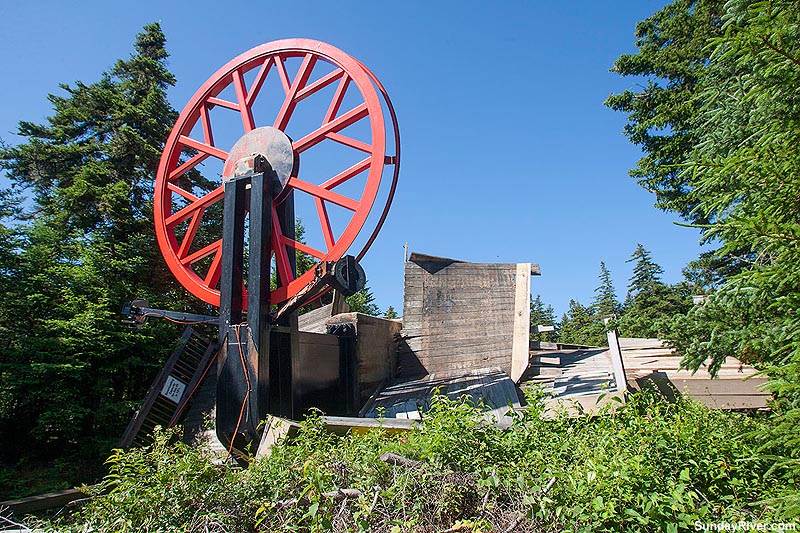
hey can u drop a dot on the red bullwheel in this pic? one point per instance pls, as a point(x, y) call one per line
point(188, 205)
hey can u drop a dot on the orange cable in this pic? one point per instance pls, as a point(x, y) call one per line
point(237, 327)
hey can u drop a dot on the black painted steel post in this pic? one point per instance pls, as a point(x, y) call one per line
point(263, 188)
point(232, 389)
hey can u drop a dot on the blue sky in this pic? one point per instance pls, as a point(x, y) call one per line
point(508, 152)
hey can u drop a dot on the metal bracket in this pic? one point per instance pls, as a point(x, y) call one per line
point(344, 275)
point(137, 312)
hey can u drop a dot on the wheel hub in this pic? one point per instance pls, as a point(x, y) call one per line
point(270, 142)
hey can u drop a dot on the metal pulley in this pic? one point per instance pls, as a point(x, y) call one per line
point(310, 127)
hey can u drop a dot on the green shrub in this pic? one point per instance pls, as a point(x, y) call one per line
point(649, 465)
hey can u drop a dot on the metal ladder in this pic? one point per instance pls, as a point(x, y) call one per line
point(172, 390)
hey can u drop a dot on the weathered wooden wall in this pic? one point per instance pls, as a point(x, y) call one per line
point(465, 316)
point(375, 349)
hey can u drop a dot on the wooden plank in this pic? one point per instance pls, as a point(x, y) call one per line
point(542, 345)
point(276, 429)
point(733, 402)
point(376, 349)
point(341, 425)
point(582, 405)
point(465, 315)
point(314, 321)
point(522, 321)
point(42, 502)
point(673, 363)
point(698, 387)
point(631, 342)
point(621, 383)
point(490, 386)
point(279, 429)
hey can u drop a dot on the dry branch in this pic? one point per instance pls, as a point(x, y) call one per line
point(399, 460)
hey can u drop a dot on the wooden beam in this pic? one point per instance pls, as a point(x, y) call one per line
point(522, 321)
point(42, 502)
point(616, 358)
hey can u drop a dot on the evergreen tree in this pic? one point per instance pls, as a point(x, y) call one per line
point(543, 315)
point(737, 172)
point(390, 313)
point(651, 304)
point(10, 240)
point(71, 371)
point(605, 300)
point(364, 302)
point(672, 56)
point(580, 326)
point(646, 273)
point(746, 172)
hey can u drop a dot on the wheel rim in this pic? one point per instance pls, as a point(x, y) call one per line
point(181, 214)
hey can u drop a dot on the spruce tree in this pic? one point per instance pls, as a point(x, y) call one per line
point(746, 171)
point(544, 315)
point(580, 326)
point(605, 300)
point(71, 371)
point(672, 57)
point(363, 302)
point(650, 304)
point(646, 273)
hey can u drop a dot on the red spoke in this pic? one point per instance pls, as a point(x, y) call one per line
point(189, 210)
point(281, 257)
point(202, 253)
point(325, 194)
point(281, 68)
point(241, 96)
point(318, 85)
point(338, 124)
point(343, 176)
point(289, 102)
point(336, 103)
point(303, 248)
point(202, 147)
point(187, 166)
point(213, 100)
point(325, 222)
point(208, 135)
point(215, 270)
point(348, 141)
point(259, 81)
point(186, 194)
point(191, 231)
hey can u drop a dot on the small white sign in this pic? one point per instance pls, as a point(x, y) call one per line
point(173, 389)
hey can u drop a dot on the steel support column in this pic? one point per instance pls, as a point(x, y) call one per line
point(233, 376)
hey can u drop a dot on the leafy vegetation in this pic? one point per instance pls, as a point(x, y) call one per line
point(650, 466)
